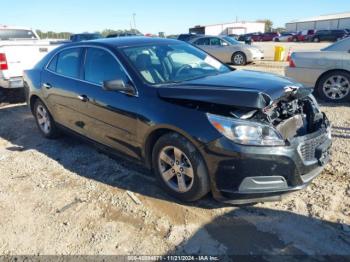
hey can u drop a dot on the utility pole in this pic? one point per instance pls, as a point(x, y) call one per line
point(134, 19)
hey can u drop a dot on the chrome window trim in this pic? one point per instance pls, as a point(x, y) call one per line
point(88, 82)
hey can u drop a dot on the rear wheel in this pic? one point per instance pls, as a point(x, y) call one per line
point(239, 58)
point(44, 120)
point(180, 168)
point(334, 87)
point(316, 40)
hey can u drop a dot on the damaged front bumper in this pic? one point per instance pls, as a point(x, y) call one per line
point(247, 174)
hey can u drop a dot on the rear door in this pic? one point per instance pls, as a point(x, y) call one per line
point(218, 49)
point(111, 120)
point(62, 93)
point(203, 43)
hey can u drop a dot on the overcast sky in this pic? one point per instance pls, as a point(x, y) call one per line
point(153, 16)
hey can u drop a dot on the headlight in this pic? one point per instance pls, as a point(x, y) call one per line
point(246, 132)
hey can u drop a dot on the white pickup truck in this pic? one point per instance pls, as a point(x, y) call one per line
point(20, 49)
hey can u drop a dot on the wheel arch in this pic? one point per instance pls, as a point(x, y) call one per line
point(155, 134)
point(32, 101)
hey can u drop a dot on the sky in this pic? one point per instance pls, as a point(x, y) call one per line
point(153, 16)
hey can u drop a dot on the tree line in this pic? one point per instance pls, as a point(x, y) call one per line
point(66, 35)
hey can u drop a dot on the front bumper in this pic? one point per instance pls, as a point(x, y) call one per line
point(245, 174)
point(13, 82)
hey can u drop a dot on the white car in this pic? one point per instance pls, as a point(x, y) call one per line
point(20, 49)
point(228, 50)
point(327, 70)
point(284, 37)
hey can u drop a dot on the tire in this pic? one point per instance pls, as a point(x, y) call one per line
point(239, 58)
point(168, 172)
point(316, 40)
point(295, 39)
point(336, 82)
point(44, 121)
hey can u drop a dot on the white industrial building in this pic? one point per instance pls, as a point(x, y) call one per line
point(237, 28)
point(323, 22)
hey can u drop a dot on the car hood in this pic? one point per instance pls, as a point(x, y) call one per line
point(239, 88)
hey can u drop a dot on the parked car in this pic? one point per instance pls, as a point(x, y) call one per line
point(228, 50)
point(187, 37)
point(249, 36)
point(198, 124)
point(328, 35)
point(327, 70)
point(20, 49)
point(284, 37)
point(268, 36)
point(303, 36)
point(122, 35)
point(84, 37)
point(235, 36)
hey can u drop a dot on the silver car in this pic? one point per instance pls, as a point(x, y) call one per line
point(328, 70)
point(228, 49)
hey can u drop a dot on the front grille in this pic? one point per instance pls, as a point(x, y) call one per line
point(308, 148)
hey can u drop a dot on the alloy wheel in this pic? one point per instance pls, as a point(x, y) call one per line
point(43, 119)
point(336, 87)
point(238, 59)
point(176, 169)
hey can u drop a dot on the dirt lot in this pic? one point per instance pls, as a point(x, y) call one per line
point(64, 197)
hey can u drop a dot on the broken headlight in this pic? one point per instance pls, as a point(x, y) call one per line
point(246, 132)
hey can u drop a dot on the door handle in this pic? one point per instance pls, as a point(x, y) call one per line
point(83, 98)
point(47, 85)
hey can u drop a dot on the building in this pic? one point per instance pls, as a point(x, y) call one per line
point(237, 28)
point(332, 21)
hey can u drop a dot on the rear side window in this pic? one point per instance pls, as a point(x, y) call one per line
point(101, 66)
point(202, 41)
point(67, 62)
point(7, 34)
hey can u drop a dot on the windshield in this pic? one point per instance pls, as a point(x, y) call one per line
point(341, 46)
point(231, 40)
point(7, 34)
point(162, 64)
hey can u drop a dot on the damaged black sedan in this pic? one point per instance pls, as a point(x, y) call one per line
point(200, 125)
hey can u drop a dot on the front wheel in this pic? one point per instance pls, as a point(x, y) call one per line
point(316, 40)
point(44, 120)
point(180, 168)
point(334, 87)
point(239, 58)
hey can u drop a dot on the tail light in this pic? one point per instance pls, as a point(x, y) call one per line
point(291, 63)
point(3, 62)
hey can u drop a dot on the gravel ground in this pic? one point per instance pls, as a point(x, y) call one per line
point(64, 197)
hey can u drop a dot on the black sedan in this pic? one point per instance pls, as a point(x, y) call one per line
point(199, 124)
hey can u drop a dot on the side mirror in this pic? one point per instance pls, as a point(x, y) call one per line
point(119, 85)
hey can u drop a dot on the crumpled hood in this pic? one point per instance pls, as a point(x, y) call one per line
point(240, 88)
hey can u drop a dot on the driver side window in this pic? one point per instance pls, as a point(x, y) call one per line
point(101, 66)
point(215, 41)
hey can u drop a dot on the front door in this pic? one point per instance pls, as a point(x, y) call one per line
point(112, 118)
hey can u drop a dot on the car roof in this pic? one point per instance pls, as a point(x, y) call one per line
point(128, 41)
